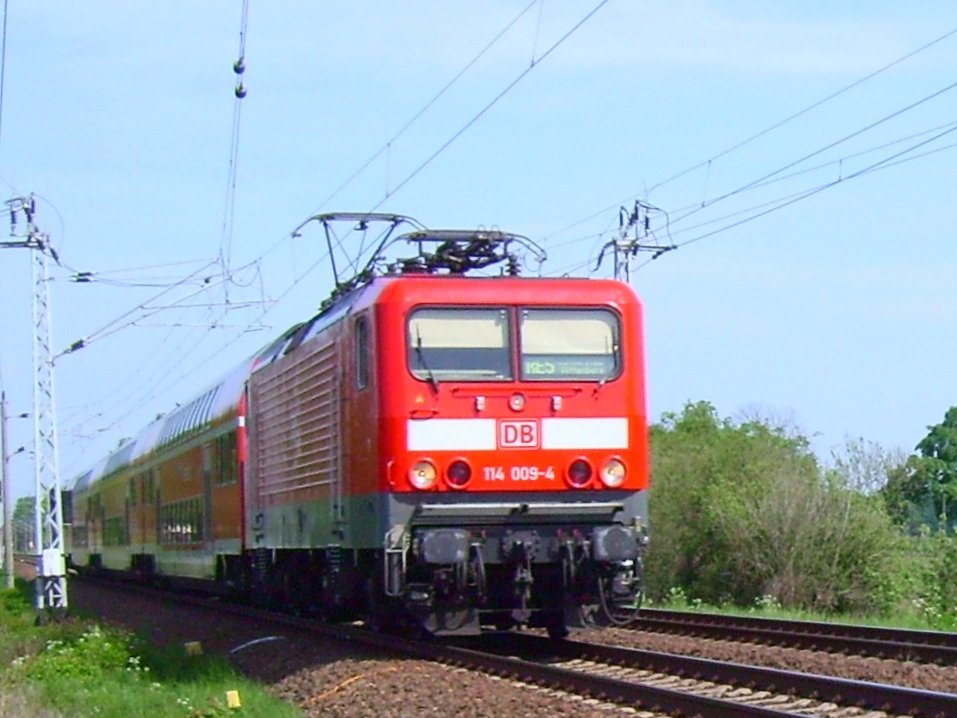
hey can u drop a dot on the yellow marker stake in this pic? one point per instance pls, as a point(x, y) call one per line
point(232, 699)
point(194, 648)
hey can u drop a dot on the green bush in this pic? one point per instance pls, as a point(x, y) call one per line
point(925, 574)
point(91, 654)
point(742, 512)
point(13, 601)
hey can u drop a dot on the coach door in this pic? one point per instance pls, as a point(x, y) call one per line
point(360, 430)
point(208, 494)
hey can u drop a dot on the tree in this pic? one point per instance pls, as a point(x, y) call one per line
point(866, 466)
point(923, 492)
point(24, 524)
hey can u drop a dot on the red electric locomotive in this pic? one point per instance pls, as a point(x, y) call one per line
point(452, 450)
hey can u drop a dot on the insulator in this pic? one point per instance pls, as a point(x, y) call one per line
point(240, 91)
point(239, 67)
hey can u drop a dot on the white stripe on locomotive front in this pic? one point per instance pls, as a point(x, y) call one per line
point(596, 433)
point(479, 434)
point(450, 434)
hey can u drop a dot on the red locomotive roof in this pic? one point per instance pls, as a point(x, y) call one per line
point(446, 289)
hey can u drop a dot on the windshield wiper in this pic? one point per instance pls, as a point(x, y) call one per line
point(433, 382)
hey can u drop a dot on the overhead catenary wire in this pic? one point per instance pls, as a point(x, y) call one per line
point(803, 111)
point(384, 149)
point(388, 145)
point(782, 203)
point(3, 63)
point(119, 322)
point(794, 163)
point(777, 175)
point(475, 118)
point(891, 160)
point(131, 276)
point(752, 212)
point(838, 163)
point(436, 153)
point(239, 92)
point(758, 135)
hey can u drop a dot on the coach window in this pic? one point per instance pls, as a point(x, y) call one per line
point(570, 344)
point(459, 344)
point(226, 459)
point(362, 353)
point(149, 492)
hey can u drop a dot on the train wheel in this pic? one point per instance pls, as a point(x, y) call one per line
point(382, 612)
point(557, 631)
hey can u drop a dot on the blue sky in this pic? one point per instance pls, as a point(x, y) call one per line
point(832, 313)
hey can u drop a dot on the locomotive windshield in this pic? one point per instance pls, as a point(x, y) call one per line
point(569, 344)
point(473, 344)
point(459, 344)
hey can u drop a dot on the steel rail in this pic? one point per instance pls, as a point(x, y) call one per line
point(896, 700)
point(903, 644)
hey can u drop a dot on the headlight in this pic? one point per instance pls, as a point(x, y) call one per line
point(422, 475)
point(613, 473)
point(579, 473)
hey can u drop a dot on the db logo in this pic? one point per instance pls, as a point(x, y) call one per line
point(518, 434)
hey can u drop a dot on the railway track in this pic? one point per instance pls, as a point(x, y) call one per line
point(737, 689)
point(901, 644)
point(659, 683)
point(25, 565)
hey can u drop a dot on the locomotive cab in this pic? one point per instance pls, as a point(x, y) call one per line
point(514, 448)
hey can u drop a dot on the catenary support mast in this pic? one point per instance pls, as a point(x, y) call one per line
point(51, 593)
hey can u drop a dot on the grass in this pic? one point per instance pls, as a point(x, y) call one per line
point(80, 669)
point(766, 607)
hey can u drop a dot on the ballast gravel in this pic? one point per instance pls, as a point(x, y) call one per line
point(334, 679)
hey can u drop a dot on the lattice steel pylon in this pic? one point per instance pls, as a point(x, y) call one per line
point(51, 593)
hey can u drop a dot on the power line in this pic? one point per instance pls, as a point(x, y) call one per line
point(825, 148)
point(535, 63)
point(775, 126)
point(388, 144)
point(768, 208)
point(838, 162)
point(3, 63)
point(753, 212)
point(115, 325)
point(239, 68)
point(805, 110)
